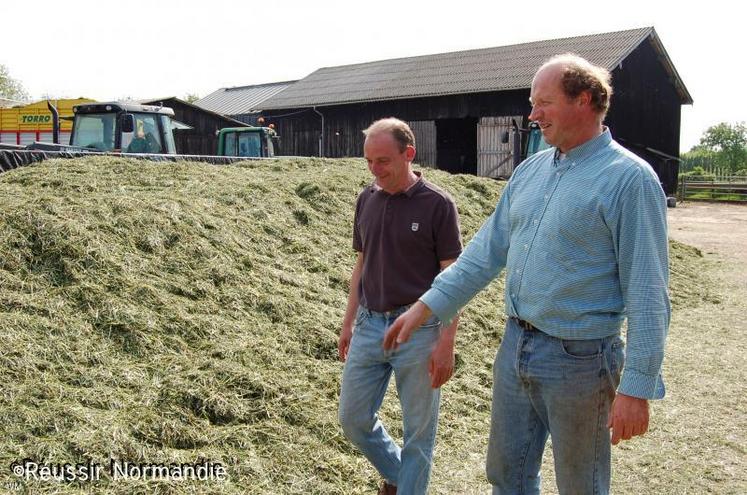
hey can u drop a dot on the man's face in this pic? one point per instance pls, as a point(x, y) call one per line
point(387, 163)
point(560, 118)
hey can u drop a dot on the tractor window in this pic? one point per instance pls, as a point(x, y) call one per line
point(229, 148)
point(146, 138)
point(95, 131)
point(249, 144)
point(168, 133)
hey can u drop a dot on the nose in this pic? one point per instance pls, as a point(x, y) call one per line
point(534, 116)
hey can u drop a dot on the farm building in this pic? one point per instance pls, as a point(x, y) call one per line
point(460, 104)
point(242, 103)
point(202, 136)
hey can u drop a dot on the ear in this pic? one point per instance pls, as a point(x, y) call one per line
point(410, 152)
point(584, 98)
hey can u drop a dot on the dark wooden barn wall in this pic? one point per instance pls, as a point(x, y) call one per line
point(343, 124)
point(202, 139)
point(646, 112)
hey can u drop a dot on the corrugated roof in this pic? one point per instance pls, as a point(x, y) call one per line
point(241, 99)
point(472, 71)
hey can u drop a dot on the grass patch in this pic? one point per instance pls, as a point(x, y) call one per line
point(174, 312)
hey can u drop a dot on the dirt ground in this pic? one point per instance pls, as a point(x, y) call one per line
point(718, 229)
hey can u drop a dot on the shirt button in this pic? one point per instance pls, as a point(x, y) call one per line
point(534, 222)
point(557, 173)
point(547, 196)
point(526, 246)
point(513, 295)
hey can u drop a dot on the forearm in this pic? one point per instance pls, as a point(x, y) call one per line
point(448, 333)
point(353, 299)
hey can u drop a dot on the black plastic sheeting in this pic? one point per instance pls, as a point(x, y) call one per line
point(11, 159)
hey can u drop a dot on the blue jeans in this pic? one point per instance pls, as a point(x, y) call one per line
point(545, 385)
point(364, 382)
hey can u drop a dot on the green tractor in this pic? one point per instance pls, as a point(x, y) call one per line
point(250, 142)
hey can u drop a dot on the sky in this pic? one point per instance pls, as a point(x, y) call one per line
point(107, 50)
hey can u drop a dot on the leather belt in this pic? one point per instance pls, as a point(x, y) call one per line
point(525, 325)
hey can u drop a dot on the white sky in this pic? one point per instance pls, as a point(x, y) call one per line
point(108, 50)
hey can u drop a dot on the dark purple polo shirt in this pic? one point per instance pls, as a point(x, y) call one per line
point(403, 237)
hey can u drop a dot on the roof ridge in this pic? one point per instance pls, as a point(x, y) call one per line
point(477, 50)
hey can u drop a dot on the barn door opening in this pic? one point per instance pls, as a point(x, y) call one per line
point(456, 145)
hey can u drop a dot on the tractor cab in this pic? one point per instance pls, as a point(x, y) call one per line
point(123, 127)
point(251, 142)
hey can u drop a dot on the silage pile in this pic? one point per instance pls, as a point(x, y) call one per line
point(170, 313)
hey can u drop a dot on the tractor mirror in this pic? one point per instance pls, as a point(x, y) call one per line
point(128, 122)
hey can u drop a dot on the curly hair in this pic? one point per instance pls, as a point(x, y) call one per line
point(579, 75)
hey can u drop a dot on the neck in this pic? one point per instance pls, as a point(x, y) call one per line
point(584, 136)
point(407, 182)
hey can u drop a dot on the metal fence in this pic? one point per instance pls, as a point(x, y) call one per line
point(713, 188)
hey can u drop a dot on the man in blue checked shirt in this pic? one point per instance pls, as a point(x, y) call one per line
point(581, 231)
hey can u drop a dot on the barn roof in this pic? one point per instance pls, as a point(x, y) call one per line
point(241, 99)
point(473, 71)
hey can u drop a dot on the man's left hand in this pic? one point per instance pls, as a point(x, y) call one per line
point(628, 417)
point(441, 364)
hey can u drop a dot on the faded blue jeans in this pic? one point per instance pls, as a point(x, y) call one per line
point(364, 382)
point(545, 385)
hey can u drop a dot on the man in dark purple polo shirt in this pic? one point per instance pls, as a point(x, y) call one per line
point(406, 231)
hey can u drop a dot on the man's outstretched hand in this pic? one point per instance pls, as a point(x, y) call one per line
point(405, 324)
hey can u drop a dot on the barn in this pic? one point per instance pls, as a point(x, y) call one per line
point(460, 104)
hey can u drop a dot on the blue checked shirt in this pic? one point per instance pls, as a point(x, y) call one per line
point(583, 238)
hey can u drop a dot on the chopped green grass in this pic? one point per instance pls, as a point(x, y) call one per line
point(176, 312)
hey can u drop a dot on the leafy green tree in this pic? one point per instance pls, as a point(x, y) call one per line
point(9, 87)
point(191, 97)
point(722, 149)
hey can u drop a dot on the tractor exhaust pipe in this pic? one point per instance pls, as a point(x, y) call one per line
point(55, 122)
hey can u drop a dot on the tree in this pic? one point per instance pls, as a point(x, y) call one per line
point(722, 149)
point(191, 97)
point(9, 87)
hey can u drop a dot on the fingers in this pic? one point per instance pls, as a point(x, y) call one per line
point(342, 349)
point(439, 374)
point(390, 338)
point(629, 417)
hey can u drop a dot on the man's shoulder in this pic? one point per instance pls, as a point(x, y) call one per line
point(432, 189)
point(626, 163)
point(435, 195)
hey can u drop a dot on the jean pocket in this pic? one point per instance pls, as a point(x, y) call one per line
point(581, 349)
point(618, 355)
point(360, 317)
point(432, 322)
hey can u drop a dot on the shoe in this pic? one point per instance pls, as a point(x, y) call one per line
point(387, 489)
